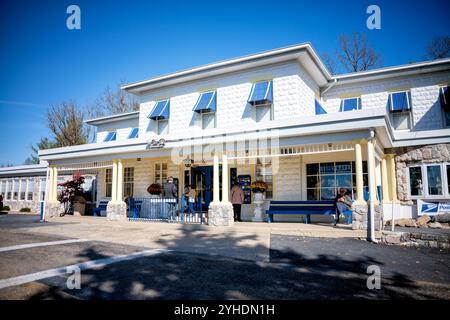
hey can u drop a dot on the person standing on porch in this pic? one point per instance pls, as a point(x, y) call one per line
point(237, 199)
point(170, 194)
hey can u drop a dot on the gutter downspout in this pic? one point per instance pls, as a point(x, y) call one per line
point(372, 190)
point(46, 194)
point(331, 85)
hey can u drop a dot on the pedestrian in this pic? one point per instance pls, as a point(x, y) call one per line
point(170, 195)
point(343, 203)
point(237, 199)
point(190, 195)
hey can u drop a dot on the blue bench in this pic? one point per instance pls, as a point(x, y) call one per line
point(306, 208)
point(101, 207)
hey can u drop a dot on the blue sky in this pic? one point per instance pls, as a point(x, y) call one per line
point(42, 62)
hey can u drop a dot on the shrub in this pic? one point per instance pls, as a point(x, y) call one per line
point(25, 210)
point(258, 186)
point(6, 208)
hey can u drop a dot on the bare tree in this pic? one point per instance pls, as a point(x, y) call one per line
point(113, 101)
point(355, 54)
point(329, 62)
point(65, 120)
point(43, 144)
point(438, 48)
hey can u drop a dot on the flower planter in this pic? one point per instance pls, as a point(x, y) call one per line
point(258, 201)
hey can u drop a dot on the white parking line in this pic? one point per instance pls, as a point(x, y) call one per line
point(40, 244)
point(92, 264)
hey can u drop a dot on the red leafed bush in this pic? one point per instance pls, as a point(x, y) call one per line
point(71, 189)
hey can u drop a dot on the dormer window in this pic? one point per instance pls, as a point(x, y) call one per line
point(160, 114)
point(399, 104)
point(350, 104)
point(261, 97)
point(319, 108)
point(134, 133)
point(111, 136)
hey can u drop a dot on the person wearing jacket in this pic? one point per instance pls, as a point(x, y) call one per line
point(237, 199)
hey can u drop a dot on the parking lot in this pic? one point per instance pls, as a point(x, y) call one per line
point(161, 261)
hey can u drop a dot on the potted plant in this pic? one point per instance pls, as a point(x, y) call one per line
point(258, 189)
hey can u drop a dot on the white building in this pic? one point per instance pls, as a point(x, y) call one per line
point(277, 116)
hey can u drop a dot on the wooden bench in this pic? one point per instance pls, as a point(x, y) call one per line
point(306, 208)
point(101, 207)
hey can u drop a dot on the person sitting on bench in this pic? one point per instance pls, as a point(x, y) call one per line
point(343, 203)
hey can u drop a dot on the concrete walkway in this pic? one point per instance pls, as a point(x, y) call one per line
point(246, 240)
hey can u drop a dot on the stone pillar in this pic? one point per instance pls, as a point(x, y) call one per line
point(384, 180)
point(374, 215)
point(393, 178)
point(116, 208)
point(52, 206)
point(359, 174)
point(216, 183)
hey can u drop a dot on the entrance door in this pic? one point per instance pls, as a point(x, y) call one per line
point(202, 181)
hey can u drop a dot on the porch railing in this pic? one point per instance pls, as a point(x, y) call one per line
point(167, 210)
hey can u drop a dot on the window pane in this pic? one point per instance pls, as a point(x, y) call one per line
point(415, 181)
point(263, 113)
point(312, 182)
point(163, 127)
point(327, 181)
point(327, 168)
point(448, 179)
point(312, 168)
point(434, 180)
point(344, 181)
point(327, 193)
point(208, 120)
point(312, 194)
point(400, 121)
point(343, 167)
point(447, 118)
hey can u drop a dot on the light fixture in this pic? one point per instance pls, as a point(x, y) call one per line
point(188, 162)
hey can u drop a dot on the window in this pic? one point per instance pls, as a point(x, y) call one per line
point(434, 180)
point(108, 183)
point(206, 103)
point(128, 182)
point(162, 127)
point(9, 188)
point(415, 181)
point(324, 179)
point(160, 173)
point(134, 133)
point(264, 173)
point(444, 96)
point(31, 184)
point(111, 136)
point(399, 109)
point(429, 180)
point(208, 120)
point(262, 98)
point(23, 186)
point(350, 104)
point(16, 189)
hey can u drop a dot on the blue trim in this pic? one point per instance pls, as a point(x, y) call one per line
point(261, 93)
point(111, 136)
point(161, 110)
point(206, 102)
point(134, 133)
point(319, 108)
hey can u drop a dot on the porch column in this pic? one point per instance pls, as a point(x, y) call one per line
point(359, 174)
point(114, 182)
point(27, 187)
point(119, 180)
point(48, 184)
point(372, 187)
point(384, 180)
point(393, 178)
point(20, 190)
point(225, 188)
point(55, 184)
point(216, 183)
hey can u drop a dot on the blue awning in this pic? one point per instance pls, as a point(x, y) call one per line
point(319, 108)
point(134, 133)
point(261, 93)
point(399, 101)
point(111, 136)
point(161, 110)
point(206, 102)
point(351, 104)
point(444, 94)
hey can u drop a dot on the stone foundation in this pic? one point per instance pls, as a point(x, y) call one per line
point(359, 217)
point(116, 211)
point(220, 214)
